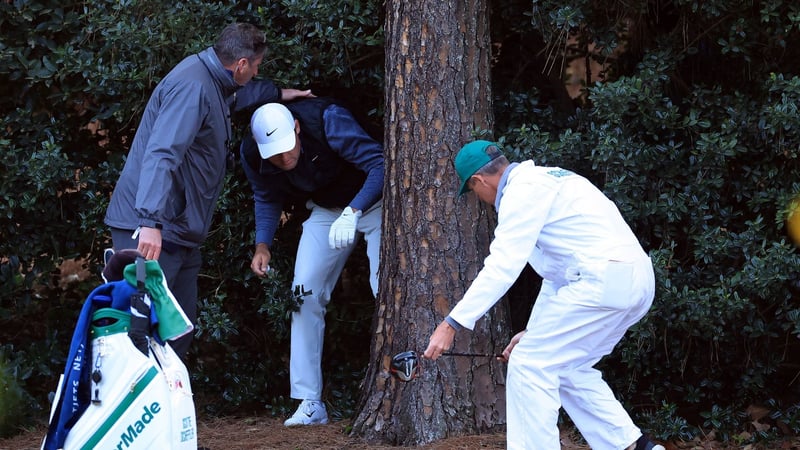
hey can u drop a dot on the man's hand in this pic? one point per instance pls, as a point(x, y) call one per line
point(260, 263)
point(149, 242)
point(343, 229)
point(293, 94)
point(441, 341)
point(510, 346)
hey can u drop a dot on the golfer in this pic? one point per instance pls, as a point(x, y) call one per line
point(597, 282)
point(314, 152)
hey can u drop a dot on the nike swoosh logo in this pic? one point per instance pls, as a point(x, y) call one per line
point(270, 133)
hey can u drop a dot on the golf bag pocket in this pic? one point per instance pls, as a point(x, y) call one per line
point(184, 425)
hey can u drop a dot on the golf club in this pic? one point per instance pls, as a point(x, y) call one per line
point(406, 366)
point(478, 355)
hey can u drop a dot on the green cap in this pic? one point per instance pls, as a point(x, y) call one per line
point(472, 157)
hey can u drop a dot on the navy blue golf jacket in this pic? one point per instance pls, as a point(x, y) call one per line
point(340, 164)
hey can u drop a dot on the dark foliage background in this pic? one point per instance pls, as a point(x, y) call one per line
point(688, 120)
point(75, 78)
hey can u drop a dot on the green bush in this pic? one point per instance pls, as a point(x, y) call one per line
point(14, 403)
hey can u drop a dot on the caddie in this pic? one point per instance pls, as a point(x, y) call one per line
point(597, 282)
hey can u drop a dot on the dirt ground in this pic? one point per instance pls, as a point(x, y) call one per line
point(262, 433)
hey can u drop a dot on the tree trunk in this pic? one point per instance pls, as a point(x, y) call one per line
point(437, 92)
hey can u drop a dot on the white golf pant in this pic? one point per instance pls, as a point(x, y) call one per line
point(572, 326)
point(317, 269)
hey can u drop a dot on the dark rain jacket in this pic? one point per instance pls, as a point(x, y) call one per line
point(176, 166)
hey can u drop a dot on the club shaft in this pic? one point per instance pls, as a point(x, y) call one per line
point(480, 355)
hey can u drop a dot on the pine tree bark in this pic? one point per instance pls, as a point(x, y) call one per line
point(438, 92)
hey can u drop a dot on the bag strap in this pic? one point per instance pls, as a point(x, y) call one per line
point(139, 331)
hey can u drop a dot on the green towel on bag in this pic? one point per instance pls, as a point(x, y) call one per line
point(172, 321)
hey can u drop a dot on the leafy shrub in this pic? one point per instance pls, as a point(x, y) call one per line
point(18, 409)
point(12, 407)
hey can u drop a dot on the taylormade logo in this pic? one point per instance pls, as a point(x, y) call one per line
point(136, 428)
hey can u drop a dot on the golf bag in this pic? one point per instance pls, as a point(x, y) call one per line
point(123, 387)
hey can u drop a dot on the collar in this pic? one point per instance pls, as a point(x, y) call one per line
point(502, 184)
point(222, 76)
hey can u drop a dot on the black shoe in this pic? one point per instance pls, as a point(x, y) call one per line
point(646, 444)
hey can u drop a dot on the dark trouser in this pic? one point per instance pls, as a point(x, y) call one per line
point(181, 266)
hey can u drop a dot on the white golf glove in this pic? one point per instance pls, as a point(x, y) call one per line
point(343, 229)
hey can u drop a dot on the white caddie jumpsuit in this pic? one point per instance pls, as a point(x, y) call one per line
point(597, 282)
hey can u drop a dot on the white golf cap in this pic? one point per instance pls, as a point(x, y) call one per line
point(273, 129)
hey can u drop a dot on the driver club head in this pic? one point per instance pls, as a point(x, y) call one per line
point(405, 366)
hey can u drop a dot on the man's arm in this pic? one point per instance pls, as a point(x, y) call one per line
point(268, 204)
point(268, 209)
point(521, 217)
point(254, 94)
point(259, 92)
point(181, 114)
point(288, 95)
point(349, 140)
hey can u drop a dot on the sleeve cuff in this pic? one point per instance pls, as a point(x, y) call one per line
point(452, 322)
point(151, 223)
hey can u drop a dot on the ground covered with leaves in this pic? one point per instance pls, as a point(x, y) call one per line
point(261, 433)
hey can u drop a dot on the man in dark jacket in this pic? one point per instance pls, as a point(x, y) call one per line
point(314, 151)
point(166, 194)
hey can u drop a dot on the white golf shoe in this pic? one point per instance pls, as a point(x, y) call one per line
point(310, 412)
